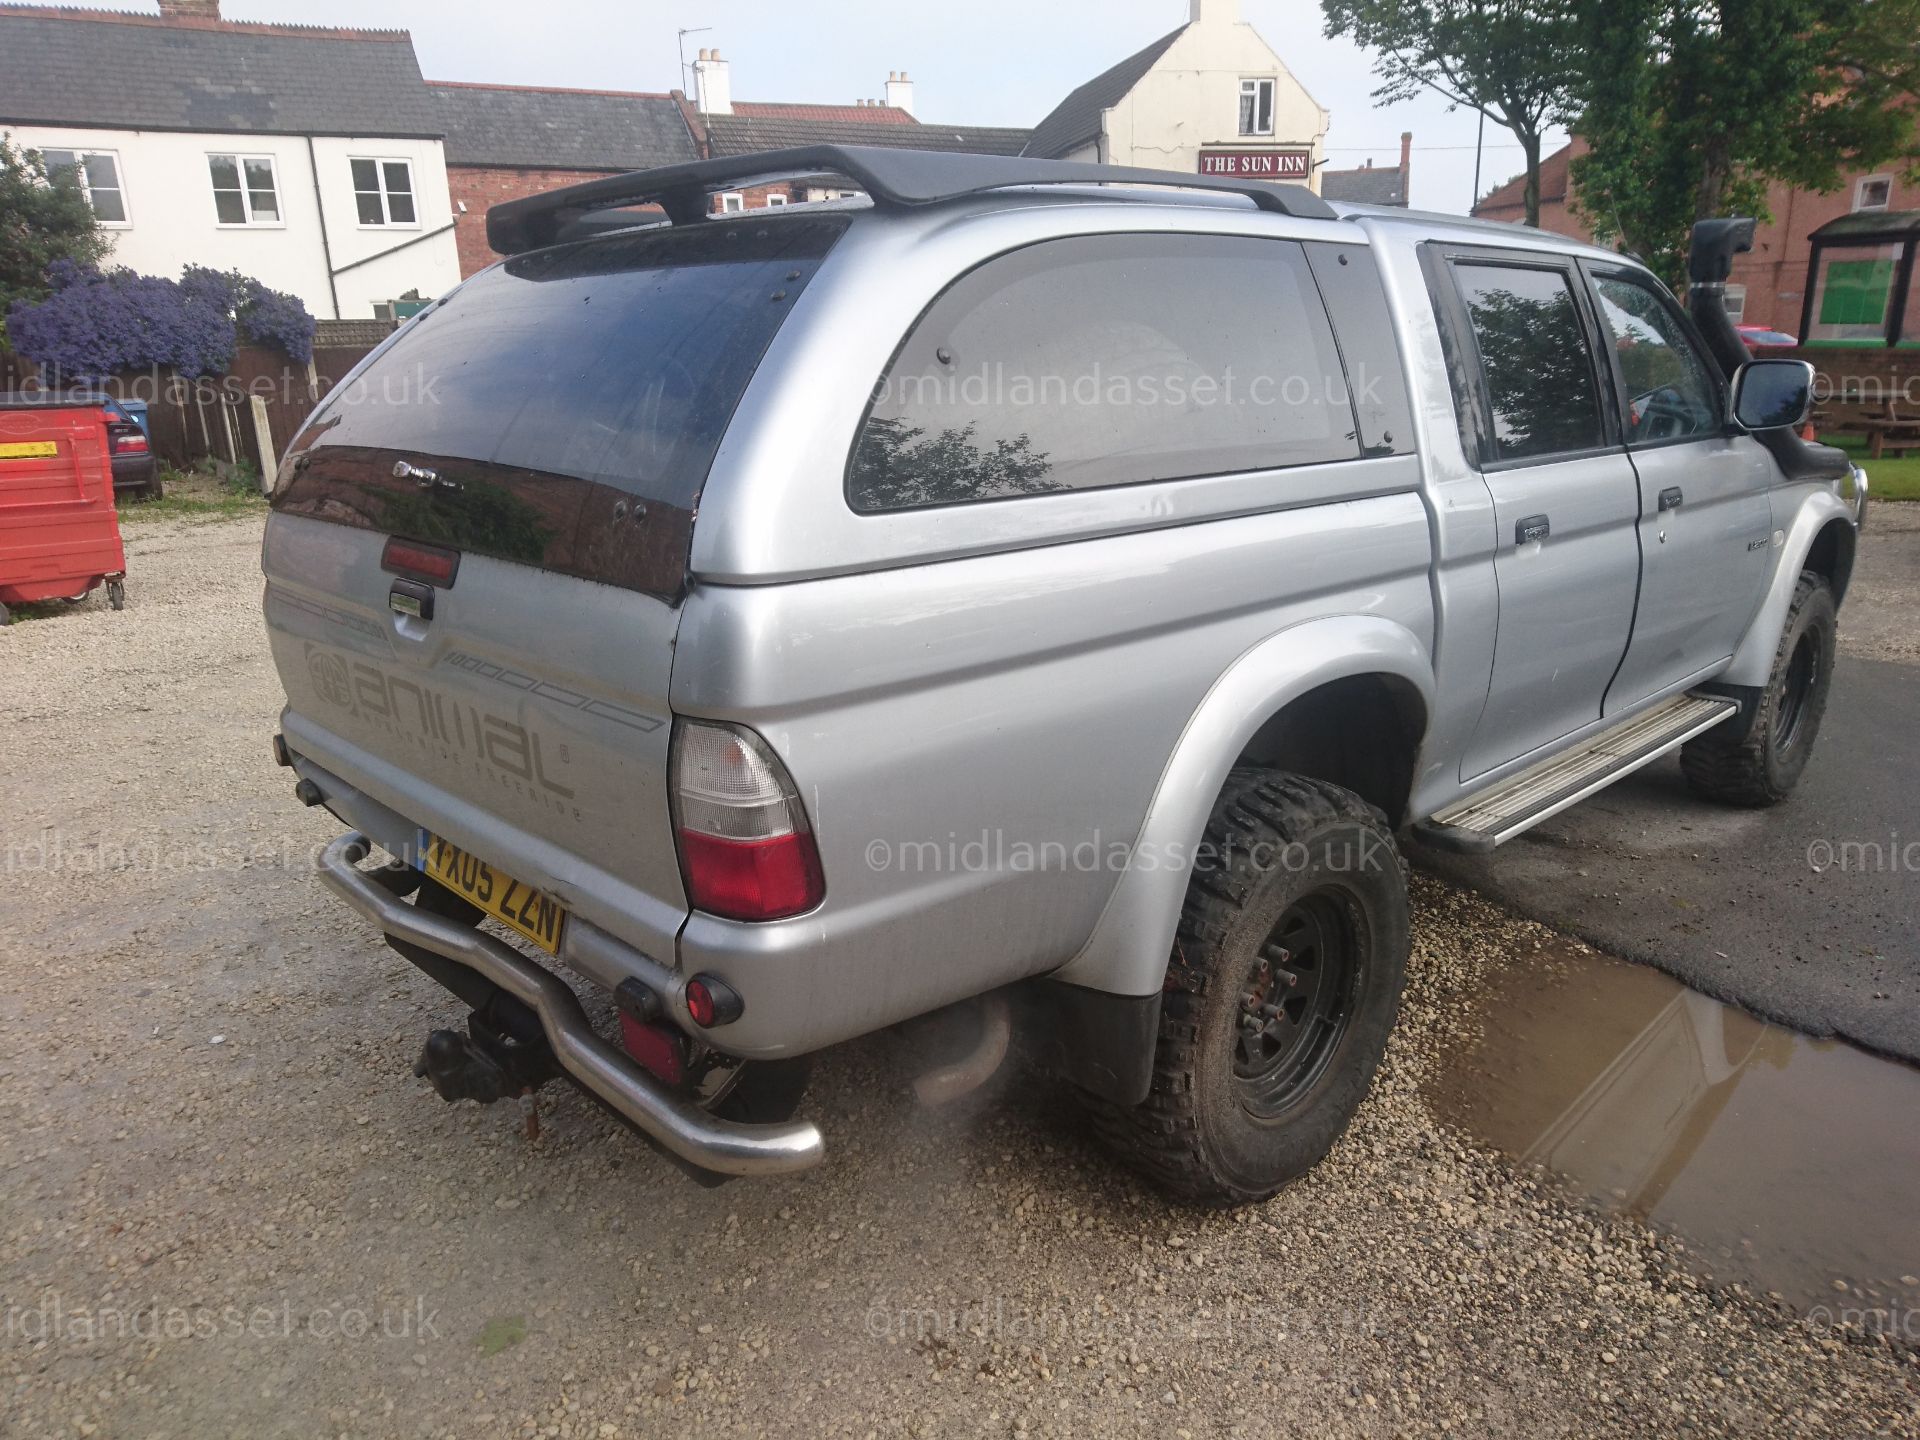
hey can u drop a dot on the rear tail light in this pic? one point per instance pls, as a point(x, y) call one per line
point(134, 443)
point(745, 847)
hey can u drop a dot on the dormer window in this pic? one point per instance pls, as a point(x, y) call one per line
point(1256, 106)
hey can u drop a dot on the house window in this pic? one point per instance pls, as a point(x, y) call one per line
point(1873, 192)
point(776, 199)
point(97, 173)
point(245, 190)
point(1736, 300)
point(1256, 107)
point(732, 202)
point(383, 192)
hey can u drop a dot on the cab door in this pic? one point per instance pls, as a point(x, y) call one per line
point(1705, 519)
point(1537, 419)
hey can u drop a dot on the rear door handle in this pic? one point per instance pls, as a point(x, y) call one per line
point(1534, 527)
point(1670, 498)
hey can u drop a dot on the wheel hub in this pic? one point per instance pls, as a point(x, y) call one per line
point(1796, 686)
point(1296, 1001)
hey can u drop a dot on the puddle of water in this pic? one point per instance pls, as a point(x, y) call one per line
point(1784, 1162)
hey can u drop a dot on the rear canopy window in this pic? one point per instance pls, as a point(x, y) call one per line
point(546, 389)
point(1107, 360)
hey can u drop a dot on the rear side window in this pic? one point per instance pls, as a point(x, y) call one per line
point(1107, 360)
point(549, 393)
point(1534, 359)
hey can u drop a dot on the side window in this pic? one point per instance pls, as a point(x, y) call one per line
point(1107, 360)
point(1671, 394)
point(1534, 358)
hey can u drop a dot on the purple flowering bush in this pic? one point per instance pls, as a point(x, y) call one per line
point(98, 323)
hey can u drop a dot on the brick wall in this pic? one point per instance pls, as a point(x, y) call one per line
point(1775, 272)
point(754, 197)
point(479, 188)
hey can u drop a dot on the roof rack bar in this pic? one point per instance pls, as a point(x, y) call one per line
point(896, 179)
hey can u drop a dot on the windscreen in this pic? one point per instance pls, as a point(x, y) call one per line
point(563, 408)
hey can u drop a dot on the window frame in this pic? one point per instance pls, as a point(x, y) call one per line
point(1859, 192)
point(80, 154)
point(733, 202)
point(1310, 294)
point(1472, 400)
point(240, 159)
point(1593, 272)
point(1256, 86)
point(776, 199)
point(387, 222)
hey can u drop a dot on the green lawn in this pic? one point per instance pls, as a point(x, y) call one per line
point(197, 494)
point(1887, 478)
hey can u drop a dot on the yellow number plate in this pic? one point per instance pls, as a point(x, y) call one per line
point(29, 450)
point(517, 906)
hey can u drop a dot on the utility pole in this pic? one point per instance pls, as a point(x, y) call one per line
point(1479, 136)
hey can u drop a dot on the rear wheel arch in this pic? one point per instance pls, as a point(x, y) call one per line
point(1248, 717)
point(1360, 732)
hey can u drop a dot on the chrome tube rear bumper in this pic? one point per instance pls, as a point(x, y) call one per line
point(694, 1134)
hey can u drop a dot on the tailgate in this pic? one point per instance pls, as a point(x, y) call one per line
point(527, 721)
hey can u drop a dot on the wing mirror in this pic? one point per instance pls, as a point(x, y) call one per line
point(1772, 394)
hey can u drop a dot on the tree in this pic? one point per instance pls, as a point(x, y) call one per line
point(1511, 60)
point(898, 466)
point(97, 323)
point(1693, 107)
point(41, 220)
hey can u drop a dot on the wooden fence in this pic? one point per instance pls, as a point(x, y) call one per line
point(249, 414)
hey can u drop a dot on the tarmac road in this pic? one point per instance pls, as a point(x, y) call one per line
point(1805, 913)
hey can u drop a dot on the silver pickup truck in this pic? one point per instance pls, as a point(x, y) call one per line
point(1030, 602)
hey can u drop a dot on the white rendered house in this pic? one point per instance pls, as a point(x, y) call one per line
point(306, 157)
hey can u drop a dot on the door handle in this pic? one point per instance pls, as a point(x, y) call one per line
point(1534, 527)
point(1670, 498)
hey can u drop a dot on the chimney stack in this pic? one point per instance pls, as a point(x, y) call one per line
point(189, 9)
point(712, 87)
point(1214, 12)
point(900, 91)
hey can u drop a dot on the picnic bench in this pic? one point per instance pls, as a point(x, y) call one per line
point(1884, 426)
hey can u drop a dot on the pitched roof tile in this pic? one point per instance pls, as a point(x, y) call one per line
point(551, 129)
point(1076, 119)
point(105, 70)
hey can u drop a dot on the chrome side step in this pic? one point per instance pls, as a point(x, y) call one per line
point(1497, 814)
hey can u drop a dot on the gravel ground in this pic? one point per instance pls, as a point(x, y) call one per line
point(227, 1208)
point(1877, 620)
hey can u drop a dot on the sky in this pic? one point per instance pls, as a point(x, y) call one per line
point(989, 62)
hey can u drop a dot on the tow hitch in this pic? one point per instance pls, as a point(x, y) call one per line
point(483, 1064)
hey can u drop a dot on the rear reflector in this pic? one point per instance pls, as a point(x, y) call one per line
point(657, 1047)
point(429, 564)
point(745, 848)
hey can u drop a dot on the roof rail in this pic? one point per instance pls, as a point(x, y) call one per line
point(896, 179)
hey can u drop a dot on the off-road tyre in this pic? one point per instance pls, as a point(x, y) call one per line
point(1761, 766)
point(1277, 845)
